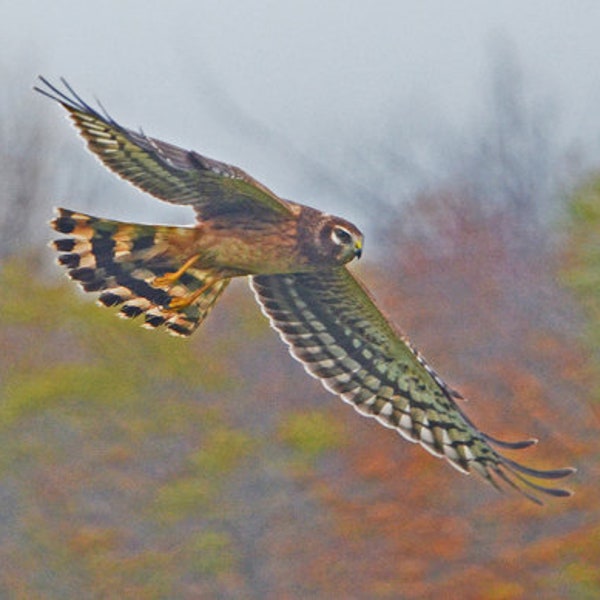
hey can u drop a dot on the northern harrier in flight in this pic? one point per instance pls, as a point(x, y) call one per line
point(295, 258)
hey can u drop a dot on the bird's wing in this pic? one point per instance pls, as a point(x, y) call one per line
point(335, 330)
point(170, 173)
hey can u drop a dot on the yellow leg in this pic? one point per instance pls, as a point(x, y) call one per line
point(168, 279)
point(179, 303)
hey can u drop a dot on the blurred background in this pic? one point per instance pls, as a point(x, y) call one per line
point(464, 139)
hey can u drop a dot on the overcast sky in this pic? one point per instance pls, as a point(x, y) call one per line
point(302, 67)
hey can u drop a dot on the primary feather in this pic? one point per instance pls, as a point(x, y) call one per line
point(296, 258)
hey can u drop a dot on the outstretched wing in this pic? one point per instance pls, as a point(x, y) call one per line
point(170, 173)
point(332, 326)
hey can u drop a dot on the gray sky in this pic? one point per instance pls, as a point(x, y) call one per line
point(306, 68)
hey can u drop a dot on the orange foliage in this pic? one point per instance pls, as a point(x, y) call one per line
point(484, 311)
point(364, 515)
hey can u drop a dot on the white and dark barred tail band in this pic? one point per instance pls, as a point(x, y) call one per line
point(334, 329)
point(124, 263)
point(171, 276)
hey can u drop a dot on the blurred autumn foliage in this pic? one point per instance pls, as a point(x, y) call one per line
point(135, 465)
point(582, 262)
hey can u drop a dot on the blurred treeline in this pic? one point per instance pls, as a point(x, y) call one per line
point(135, 465)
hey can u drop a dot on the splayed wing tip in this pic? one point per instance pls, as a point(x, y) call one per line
point(518, 445)
point(538, 473)
point(520, 477)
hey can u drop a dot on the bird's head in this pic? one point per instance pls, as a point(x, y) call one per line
point(340, 240)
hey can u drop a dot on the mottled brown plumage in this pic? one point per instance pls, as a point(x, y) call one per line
point(296, 258)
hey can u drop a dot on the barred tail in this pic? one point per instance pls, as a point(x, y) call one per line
point(144, 268)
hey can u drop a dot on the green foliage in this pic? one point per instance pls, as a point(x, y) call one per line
point(582, 272)
point(310, 433)
point(135, 465)
point(212, 553)
point(89, 404)
point(182, 497)
point(583, 580)
point(56, 384)
point(222, 451)
point(86, 353)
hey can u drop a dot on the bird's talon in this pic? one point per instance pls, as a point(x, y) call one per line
point(179, 303)
point(169, 279)
point(182, 301)
point(166, 280)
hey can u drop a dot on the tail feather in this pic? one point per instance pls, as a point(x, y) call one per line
point(123, 260)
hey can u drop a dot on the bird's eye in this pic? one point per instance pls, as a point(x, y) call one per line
point(341, 236)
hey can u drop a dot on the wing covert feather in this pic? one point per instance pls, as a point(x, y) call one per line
point(336, 331)
point(166, 171)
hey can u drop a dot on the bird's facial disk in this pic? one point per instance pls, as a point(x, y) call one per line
point(348, 242)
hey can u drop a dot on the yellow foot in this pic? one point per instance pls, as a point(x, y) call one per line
point(182, 302)
point(168, 279)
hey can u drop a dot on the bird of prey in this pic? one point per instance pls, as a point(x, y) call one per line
point(296, 260)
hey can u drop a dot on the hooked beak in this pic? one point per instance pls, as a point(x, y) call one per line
point(358, 248)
